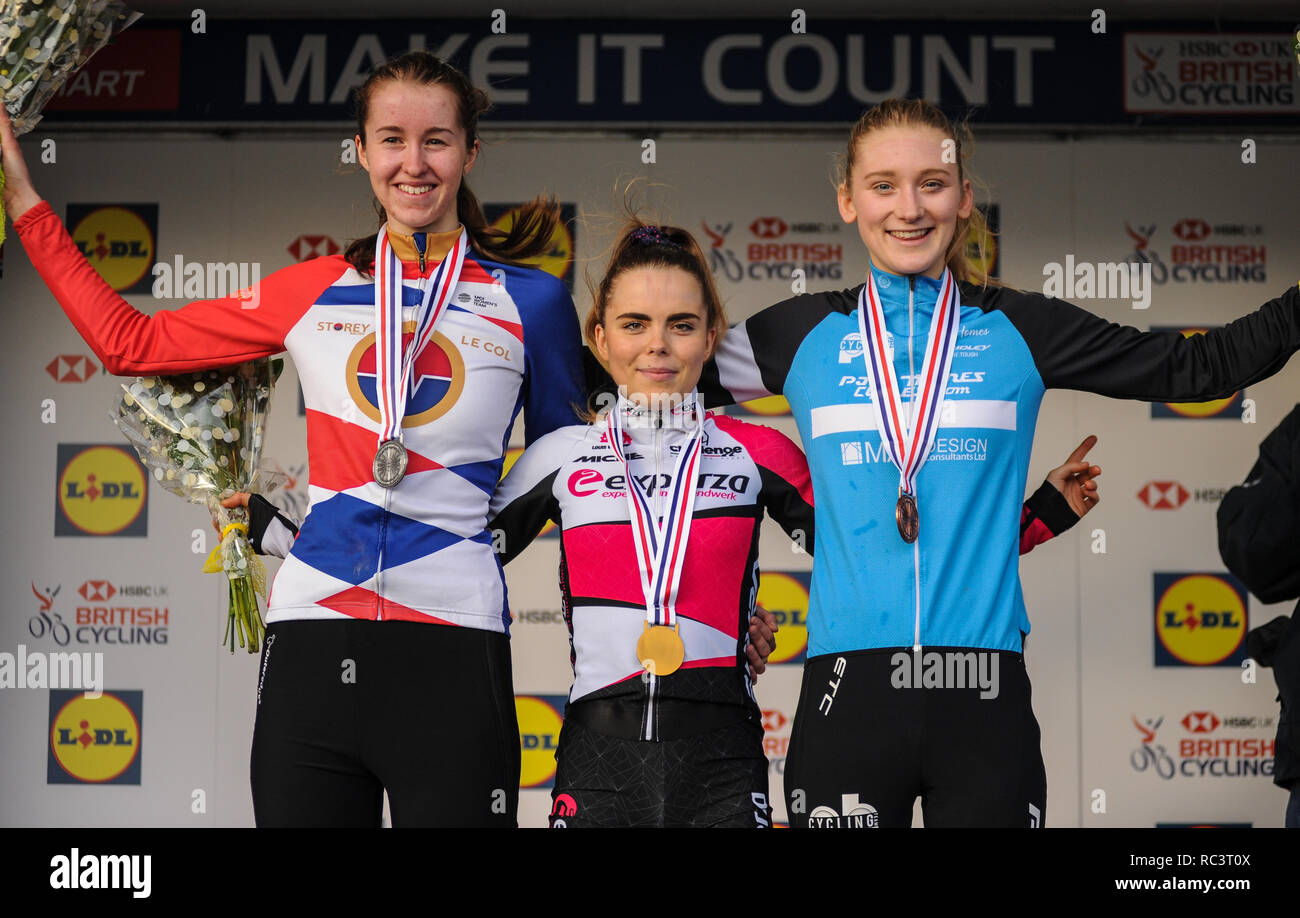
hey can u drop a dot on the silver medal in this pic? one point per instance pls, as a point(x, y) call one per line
point(390, 463)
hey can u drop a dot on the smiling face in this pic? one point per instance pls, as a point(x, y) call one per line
point(905, 199)
point(416, 152)
point(656, 335)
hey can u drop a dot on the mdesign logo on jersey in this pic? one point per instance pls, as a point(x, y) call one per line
point(772, 406)
point(71, 368)
point(852, 814)
point(437, 378)
point(540, 719)
point(94, 740)
point(1222, 409)
point(558, 259)
point(1163, 495)
point(101, 492)
point(119, 241)
point(305, 247)
point(1200, 620)
point(785, 595)
point(550, 530)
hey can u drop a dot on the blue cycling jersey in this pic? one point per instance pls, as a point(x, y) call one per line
point(958, 585)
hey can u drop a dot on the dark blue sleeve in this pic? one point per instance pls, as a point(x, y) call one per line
point(554, 389)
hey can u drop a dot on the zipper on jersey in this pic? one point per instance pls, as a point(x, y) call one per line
point(421, 242)
point(383, 544)
point(911, 366)
point(421, 246)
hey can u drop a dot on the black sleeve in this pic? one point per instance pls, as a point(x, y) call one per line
point(1050, 506)
point(1262, 642)
point(754, 357)
point(523, 516)
point(1259, 521)
point(1074, 349)
point(266, 523)
point(784, 503)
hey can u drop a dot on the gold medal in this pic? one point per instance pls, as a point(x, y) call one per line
point(660, 649)
point(909, 521)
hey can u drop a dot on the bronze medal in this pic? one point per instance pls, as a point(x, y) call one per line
point(660, 649)
point(909, 521)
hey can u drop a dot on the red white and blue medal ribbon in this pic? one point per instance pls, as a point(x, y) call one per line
point(661, 543)
point(393, 367)
point(909, 435)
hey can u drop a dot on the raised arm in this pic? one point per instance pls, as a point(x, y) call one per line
point(129, 342)
point(1065, 496)
point(1074, 349)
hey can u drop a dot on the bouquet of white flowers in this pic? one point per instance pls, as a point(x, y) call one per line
point(42, 43)
point(200, 435)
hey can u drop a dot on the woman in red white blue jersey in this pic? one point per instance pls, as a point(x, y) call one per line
point(393, 577)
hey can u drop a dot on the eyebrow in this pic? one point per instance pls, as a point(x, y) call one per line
point(395, 128)
point(889, 173)
point(672, 318)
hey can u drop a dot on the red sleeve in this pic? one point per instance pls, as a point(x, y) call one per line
point(1045, 515)
point(203, 334)
point(772, 450)
point(787, 484)
point(1033, 531)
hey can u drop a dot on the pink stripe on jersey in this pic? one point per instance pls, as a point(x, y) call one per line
point(772, 450)
point(716, 562)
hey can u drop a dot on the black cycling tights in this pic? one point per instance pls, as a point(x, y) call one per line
point(348, 709)
point(865, 743)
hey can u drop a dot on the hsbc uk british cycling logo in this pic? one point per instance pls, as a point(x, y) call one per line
point(437, 379)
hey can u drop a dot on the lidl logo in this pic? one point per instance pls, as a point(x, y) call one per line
point(94, 740)
point(550, 530)
point(101, 492)
point(71, 368)
point(540, 719)
point(119, 241)
point(1221, 409)
point(785, 595)
point(770, 407)
point(1200, 620)
point(558, 259)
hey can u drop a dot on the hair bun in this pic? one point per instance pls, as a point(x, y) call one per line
point(653, 235)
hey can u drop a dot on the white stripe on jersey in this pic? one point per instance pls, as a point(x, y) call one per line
point(990, 414)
